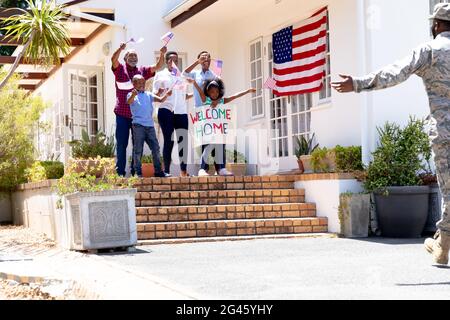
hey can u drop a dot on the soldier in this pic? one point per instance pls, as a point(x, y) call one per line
point(431, 62)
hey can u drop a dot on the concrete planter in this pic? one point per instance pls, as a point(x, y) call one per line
point(5, 208)
point(101, 220)
point(354, 215)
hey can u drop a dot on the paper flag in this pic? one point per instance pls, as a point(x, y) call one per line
point(125, 85)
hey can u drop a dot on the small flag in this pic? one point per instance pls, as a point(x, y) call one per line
point(140, 40)
point(175, 71)
point(125, 86)
point(270, 84)
point(217, 67)
point(167, 37)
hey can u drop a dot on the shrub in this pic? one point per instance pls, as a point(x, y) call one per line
point(19, 117)
point(319, 160)
point(400, 156)
point(348, 159)
point(45, 170)
point(235, 157)
point(147, 159)
point(92, 147)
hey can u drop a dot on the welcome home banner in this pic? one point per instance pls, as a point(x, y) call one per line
point(213, 125)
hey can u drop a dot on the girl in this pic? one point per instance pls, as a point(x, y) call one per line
point(212, 95)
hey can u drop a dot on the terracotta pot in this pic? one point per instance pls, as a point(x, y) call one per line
point(238, 169)
point(306, 160)
point(148, 170)
point(301, 168)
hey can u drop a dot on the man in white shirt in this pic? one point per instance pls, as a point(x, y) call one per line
point(173, 113)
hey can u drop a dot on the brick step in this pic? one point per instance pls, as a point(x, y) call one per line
point(186, 198)
point(230, 212)
point(215, 183)
point(235, 238)
point(219, 228)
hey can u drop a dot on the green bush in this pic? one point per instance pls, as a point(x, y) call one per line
point(92, 147)
point(45, 170)
point(400, 156)
point(19, 118)
point(235, 157)
point(348, 159)
point(318, 160)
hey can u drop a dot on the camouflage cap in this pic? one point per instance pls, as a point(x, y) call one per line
point(441, 12)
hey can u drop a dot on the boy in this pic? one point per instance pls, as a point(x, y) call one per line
point(141, 105)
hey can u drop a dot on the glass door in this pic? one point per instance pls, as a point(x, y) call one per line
point(83, 97)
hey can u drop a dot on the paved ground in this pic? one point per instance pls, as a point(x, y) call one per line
point(309, 268)
point(296, 269)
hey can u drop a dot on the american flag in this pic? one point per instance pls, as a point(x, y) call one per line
point(216, 67)
point(299, 54)
point(167, 37)
point(270, 84)
point(175, 71)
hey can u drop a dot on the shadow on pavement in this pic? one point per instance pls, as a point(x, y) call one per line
point(392, 241)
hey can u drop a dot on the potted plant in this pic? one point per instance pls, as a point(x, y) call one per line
point(148, 169)
point(100, 212)
point(93, 155)
point(303, 152)
point(435, 200)
point(45, 170)
point(323, 160)
point(236, 163)
point(393, 177)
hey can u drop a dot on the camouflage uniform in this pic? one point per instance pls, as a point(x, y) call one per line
point(431, 62)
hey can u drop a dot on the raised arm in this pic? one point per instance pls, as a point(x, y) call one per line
point(389, 76)
point(238, 95)
point(200, 91)
point(161, 60)
point(163, 98)
point(115, 57)
point(195, 64)
point(133, 95)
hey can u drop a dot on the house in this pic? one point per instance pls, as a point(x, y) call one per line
point(363, 35)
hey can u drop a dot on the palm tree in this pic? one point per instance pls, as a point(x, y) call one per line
point(42, 30)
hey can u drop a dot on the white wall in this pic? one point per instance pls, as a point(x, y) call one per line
point(326, 195)
point(396, 28)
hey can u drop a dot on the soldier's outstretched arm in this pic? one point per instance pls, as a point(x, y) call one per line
point(388, 76)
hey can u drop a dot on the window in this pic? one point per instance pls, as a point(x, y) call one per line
point(301, 117)
point(325, 93)
point(256, 74)
point(84, 105)
point(278, 119)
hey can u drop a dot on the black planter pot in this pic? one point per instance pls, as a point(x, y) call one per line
point(403, 212)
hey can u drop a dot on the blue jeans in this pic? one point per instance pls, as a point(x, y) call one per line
point(218, 153)
point(145, 135)
point(171, 123)
point(123, 127)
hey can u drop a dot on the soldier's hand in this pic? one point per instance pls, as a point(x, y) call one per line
point(344, 86)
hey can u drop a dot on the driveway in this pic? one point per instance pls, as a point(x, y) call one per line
point(311, 268)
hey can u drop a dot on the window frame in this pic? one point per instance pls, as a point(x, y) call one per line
point(258, 79)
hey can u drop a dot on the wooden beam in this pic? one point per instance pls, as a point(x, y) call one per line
point(8, 12)
point(30, 87)
point(202, 5)
point(33, 75)
point(74, 52)
point(11, 60)
point(6, 41)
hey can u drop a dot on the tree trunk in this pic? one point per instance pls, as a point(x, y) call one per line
point(16, 63)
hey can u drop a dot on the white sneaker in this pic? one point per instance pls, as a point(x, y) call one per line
point(203, 173)
point(225, 173)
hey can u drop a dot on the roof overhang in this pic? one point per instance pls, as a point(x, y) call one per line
point(84, 25)
point(186, 10)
